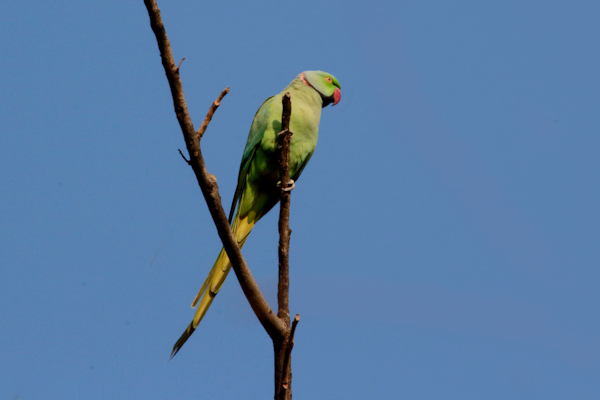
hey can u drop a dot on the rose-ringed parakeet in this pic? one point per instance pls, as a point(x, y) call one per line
point(258, 180)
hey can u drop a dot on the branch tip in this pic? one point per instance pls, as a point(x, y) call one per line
point(293, 329)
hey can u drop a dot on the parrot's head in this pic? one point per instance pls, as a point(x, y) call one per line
point(325, 84)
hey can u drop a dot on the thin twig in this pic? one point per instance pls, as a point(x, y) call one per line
point(182, 156)
point(211, 112)
point(273, 325)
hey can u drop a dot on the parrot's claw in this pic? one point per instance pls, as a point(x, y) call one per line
point(289, 187)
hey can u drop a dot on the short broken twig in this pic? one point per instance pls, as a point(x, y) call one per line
point(180, 62)
point(288, 350)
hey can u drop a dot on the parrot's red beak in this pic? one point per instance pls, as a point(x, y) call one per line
point(337, 95)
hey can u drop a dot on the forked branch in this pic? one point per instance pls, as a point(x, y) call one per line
point(274, 326)
point(277, 326)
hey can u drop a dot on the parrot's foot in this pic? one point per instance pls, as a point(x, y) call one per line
point(290, 185)
point(285, 133)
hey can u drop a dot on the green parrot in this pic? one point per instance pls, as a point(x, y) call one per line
point(258, 183)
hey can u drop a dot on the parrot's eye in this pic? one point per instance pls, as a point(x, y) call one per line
point(328, 79)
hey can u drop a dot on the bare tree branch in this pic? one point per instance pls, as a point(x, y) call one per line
point(283, 370)
point(274, 326)
point(285, 137)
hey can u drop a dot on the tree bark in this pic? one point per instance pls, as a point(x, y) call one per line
point(282, 346)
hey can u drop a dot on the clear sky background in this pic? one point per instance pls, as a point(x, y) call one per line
point(445, 234)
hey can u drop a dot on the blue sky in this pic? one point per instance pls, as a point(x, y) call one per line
point(445, 233)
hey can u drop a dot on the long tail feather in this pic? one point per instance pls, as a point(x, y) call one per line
point(188, 332)
point(218, 273)
point(214, 281)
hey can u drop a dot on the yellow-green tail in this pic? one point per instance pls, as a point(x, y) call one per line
point(214, 281)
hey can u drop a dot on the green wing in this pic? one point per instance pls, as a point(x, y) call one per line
point(296, 176)
point(257, 131)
